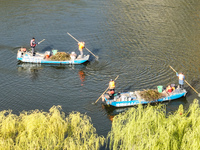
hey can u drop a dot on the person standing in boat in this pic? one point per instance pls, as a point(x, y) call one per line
point(81, 45)
point(181, 78)
point(33, 44)
point(111, 91)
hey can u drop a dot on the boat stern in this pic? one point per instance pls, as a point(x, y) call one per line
point(19, 54)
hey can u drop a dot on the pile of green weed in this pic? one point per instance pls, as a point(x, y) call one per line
point(60, 56)
point(150, 95)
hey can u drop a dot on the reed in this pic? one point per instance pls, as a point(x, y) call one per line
point(48, 130)
point(151, 128)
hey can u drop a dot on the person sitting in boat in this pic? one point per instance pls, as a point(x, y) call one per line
point(169, 89)
point(23, 49)
point(181, 78)
point(173, 87)
point(33, 43)
point(73, 56)
point(81, 45)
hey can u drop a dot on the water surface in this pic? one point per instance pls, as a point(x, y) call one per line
point(136, 40)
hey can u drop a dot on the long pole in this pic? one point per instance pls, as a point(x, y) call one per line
point(41, 41)
point(105, 91)
point(85, 47)
point(186, 82)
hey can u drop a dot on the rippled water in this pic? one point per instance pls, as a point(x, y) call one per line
point(135, 39)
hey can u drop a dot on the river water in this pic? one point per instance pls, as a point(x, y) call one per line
point(135, 39)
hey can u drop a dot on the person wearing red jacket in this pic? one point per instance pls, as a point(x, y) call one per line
point(33, 44)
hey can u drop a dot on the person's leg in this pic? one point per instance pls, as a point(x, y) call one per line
point(81, 52)
point(33, 51)
point(182, 87)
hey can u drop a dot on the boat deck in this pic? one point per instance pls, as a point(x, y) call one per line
point(134, 98)
point(41, 58)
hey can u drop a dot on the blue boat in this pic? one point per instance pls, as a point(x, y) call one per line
point(126, 99)
point(41, 58)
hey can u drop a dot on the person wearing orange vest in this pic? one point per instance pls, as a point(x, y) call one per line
point(81, 45)
point(112, 85)
point(33, 44)
point(181, 78)
point(111, 91)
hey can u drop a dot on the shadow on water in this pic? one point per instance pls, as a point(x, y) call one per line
point(34, 69)
point(195, 82)
point(6, 47)
point(47, 48)
point(31, 69)
point(96, 50)
point(128, 89)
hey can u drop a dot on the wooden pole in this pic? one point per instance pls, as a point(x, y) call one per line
point(191, 87)
point(41, 41)
point(105, 91)
point(186, 81)
point(85, 47)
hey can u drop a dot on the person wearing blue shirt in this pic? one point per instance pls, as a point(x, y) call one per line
point(181, 78)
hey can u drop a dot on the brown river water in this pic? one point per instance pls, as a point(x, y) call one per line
point(135, 39)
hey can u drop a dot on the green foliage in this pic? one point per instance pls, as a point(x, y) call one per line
point(47, 130)
point(146, 128)
point(150, 128)
point(60, 56)
point(150, 94)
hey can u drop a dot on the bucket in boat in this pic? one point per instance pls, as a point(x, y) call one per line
point(160, 88)
point(54, 51)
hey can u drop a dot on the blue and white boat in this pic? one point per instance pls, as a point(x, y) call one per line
point(126, 99)
point(41, 58)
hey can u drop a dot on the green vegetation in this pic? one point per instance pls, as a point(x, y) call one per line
point(60, 56)
point(150, 94)
point(146, 128)
point(150, 129)
point(42, 130)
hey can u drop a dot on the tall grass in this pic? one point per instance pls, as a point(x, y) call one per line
point(138, 128)
point(48, 130)
point(151, 128)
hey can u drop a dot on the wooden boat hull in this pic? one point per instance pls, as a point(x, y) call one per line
point(131, 99)
point(39, 58)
